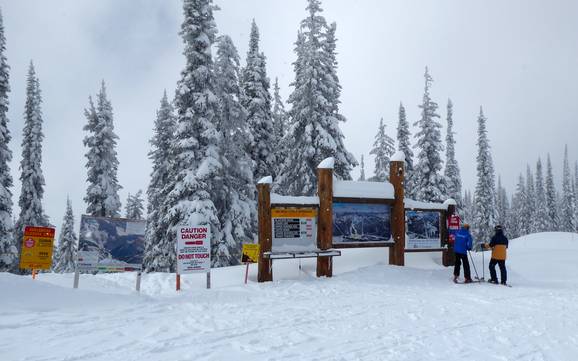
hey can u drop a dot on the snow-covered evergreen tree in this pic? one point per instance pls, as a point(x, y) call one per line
point(567, 211)
point(257, 101)
point(134, 207)
point(383, 149)
point(314, 133)
point(530, 199)
point(196, 141)
point(502, 204)
point(362, 171)
point(517, 222)
point(67, 246)
point(404, 145)
point(31, 177)
point(541, 223)
point(467, 210)
point(279, 114)
point(452, 170)
point(576, 195)
point(429, 184)
point(8, 244)
point(551, 199)
point(102, 163)
point(235, 200)
point(159, 252)
point(485, 194)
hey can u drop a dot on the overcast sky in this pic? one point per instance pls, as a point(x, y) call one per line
point(516, 58)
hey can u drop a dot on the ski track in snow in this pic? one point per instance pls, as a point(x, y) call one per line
point(374, 312)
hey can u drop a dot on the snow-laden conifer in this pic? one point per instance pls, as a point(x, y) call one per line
point(8, 244)
point(279, 114)
point(257, 101)
point(502, 203)
point(404, 145)
point(568, 204)
point(485, 194)
point(383, 149)
point(134, 207)
point(467, 210)
point(102, 164)
point(66, 252)
point(31, 177)
point(576, 195)
point(235, 200)
point(452, 169)
point(551, 199)
point(541, 223)
point(196, 141)
point(314, 133)
point(429, 184)
point(362, 171)
point(530, 199)
point(517, 223)
point(159, 252)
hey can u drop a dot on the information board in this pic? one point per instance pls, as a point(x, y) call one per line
point(359, 223)
point(37, 246)
point(250, 253)
point(87, 260)
point(194, 249)
point(423, 230)
point(294, 229)
point(454, 222)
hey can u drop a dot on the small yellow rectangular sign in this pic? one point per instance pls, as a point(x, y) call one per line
point(293, 212)
point(250, 253)
point(37, 245)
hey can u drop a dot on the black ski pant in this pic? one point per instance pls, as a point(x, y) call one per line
point(503, 273)
point(462, 258)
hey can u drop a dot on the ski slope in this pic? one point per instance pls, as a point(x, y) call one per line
point(367, 311)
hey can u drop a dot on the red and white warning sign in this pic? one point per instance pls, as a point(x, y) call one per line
point(194, 249)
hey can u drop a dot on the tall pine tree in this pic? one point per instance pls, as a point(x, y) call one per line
point(8, 244)
point(530, 200)
point(541, 223)
point(257, 101)
point(66, 253)
point(502, 204)
point(362, 171)
point(159, 252)
point(314, 134)
point(383, 149)
point(452, 170)
point(567, 211)
point(196, 141)
point(279, 114)
point(404, 145)
point(485, 195)
point(102, 163)
point(428, 182)
point(551, 202)
point(31, 177)
point(134, 207)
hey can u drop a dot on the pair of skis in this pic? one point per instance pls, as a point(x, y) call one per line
point(481, 280)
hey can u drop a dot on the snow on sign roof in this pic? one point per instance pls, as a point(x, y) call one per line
point(279, 199)
point(411, 204)
point(352, 189)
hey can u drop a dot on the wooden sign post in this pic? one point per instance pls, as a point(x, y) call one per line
point(396, 178)
point(325, 218)
point(265, 228)
point(448, 257)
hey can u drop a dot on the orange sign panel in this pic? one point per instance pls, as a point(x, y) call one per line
point(37, 245)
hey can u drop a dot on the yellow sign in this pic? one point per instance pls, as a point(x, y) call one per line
point(37, 245)
point(294, 213)
point(250, 253)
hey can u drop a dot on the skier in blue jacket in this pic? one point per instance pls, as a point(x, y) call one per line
point(462, 244)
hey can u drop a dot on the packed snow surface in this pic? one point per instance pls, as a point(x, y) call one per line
point(367, 311)
point(302, 200)
point(363, 189)
point(411, 204)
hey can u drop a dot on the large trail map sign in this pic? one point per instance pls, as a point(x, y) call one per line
point(361, 223)
point(423, 230)
point(294, 229)
point(116, 243)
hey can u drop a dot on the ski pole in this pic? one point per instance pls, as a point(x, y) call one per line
point(474, 264)
point(483, 264)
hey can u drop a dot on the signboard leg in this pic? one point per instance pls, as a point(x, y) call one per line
point(76, 279)
point(208, 279)
point(138, 277)
point(178, 282)
point(247, 272)
point(33, 274)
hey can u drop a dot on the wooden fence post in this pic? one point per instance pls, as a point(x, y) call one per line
point(265, 272)
point(448, 257)
point(325, 216)
point(396, 178)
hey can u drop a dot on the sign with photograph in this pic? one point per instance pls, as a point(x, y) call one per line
point(87, 260)
point(361, 223)
point(194, 249)
point(37, 245)
point(294, 229)
point(423, 230)
point(250, 253)
point(117, 242)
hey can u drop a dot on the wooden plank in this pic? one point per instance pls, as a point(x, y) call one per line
point(265, 271)
point(325, 220)
point(364, 245)
point(364, 200)
point(420, 250)
point(396, 178)
point(448, 258)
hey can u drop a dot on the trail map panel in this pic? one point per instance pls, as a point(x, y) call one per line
point(118, 242)
point(294, 229)
point(37, 246)
point(358, 223)
point(423, 230)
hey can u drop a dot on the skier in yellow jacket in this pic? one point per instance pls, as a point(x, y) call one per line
point(499, 246)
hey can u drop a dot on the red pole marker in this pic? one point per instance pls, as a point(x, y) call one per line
point(178, 282)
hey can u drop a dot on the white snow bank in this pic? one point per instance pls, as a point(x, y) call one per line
point(266, 180)
point(411, 204)
point(358, 189)
point(327, 163)
point(303, 200)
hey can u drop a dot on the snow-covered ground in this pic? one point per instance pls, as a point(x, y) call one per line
point(368, 311)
